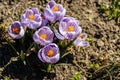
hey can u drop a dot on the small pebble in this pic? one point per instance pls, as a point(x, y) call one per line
point(100, 43)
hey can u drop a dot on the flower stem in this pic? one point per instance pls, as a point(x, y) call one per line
point(68, 45)
point(14, 49)
point(49, 68)
point(30, 47)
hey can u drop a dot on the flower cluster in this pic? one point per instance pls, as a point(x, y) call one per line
point(44, 35)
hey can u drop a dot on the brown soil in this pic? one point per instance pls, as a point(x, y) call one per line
point(99, 61)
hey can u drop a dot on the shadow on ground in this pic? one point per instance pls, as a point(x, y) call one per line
point(32, 70)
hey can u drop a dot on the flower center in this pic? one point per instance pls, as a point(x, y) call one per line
point(31, 16)
point(55, 8)
point(81, 35)
point(50, 53)
point(43, 36)
point(70, 29)
point(15, 30)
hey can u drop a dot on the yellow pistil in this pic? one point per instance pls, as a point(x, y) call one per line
point(50, 53)
point(55, 8)
point(70, 29)
point(16, 30)
point(81, 35)
point(43, 36)
point(31, 17)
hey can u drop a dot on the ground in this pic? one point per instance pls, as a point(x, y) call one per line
point(99, 61)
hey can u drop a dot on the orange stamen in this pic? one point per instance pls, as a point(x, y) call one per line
point(70, 28)
point(16, 30)
point(55, 8)
point(31, 17)
point(50, 53)
point(43, 36)
point(81, 35)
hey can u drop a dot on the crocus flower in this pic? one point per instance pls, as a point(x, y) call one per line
point(54, 11)
point(80, 40)
point(43, 36)
point(16, 30)
point(31, 18)
point(44, 20)
point(49, 53)
point(68, 29)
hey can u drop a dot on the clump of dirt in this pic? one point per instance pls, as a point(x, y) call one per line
point(99, 61)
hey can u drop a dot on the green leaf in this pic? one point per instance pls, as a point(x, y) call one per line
point(112, 11)
point(7, 78)
point(49, 68)
point(25, 78)
point(22, 57)
point(14, 49)
point(65, 54)
point(63, 64)
point(76, 76)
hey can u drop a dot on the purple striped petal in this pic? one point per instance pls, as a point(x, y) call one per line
point(58, 16)
point(44, 20)
point(40, 55)
point(54, 15)
point(56, 55)
point(35, 10)
point(70, 36)
point(64, 25)
point(44, 30)
point(51, 3)
point(33, 24)
point(28, 12)
point(37, 18)
point(49, 15)
point(24, 21)
point(32, 18)
point(21, 32)
point(80, 42)
point(66, 19)
point(58, 35)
